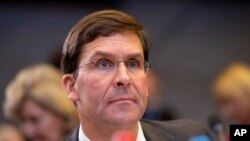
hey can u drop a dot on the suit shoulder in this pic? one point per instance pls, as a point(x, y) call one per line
point(180, 126)
point(73, 136)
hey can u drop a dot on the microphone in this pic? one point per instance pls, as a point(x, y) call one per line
point(216, 125)
point(124, 136)
point(199, 138)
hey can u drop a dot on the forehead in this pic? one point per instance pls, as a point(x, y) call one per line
point(119, 44)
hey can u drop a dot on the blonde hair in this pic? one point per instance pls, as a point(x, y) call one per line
point(233, 81)
point(41, 83)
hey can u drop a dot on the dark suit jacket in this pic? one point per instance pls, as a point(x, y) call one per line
point(176, 130)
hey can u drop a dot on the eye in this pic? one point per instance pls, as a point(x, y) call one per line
point(134, 64)
point(103, 64)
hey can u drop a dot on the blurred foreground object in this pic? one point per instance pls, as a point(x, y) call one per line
point(217, 127)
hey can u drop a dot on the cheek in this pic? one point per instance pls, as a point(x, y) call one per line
point(46, 123)
point(96, 85)
point(52, 123)
point(88, 82)
point(141, 86)
point(92, 90)
point(243, 107)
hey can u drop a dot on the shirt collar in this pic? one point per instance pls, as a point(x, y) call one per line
point(81, 135)
point(140, 135)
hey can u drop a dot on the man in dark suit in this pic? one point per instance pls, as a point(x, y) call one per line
point(176, 130)
point(105, 64)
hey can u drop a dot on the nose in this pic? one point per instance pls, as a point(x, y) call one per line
point(122, 78)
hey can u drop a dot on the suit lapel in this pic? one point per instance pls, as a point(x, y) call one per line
point(155, 133)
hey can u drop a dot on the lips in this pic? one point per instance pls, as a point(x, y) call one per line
point(122, 99)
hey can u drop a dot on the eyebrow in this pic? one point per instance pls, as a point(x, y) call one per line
point(108, 54)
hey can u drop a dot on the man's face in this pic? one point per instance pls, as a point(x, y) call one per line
point(116, 96)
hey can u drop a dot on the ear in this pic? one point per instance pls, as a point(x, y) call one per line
point(69, 85)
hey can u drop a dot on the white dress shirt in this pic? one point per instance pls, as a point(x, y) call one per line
point(140, 135)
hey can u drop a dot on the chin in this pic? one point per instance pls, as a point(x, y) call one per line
point(125, 119)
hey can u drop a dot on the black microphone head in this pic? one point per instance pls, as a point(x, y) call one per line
point(214, 121)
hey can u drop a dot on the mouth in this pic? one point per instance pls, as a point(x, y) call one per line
point(122, 99)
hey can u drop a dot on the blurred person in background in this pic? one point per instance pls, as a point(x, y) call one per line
point(231, 91)
point(36, 99)
point(156, 106)
point(10, 132)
